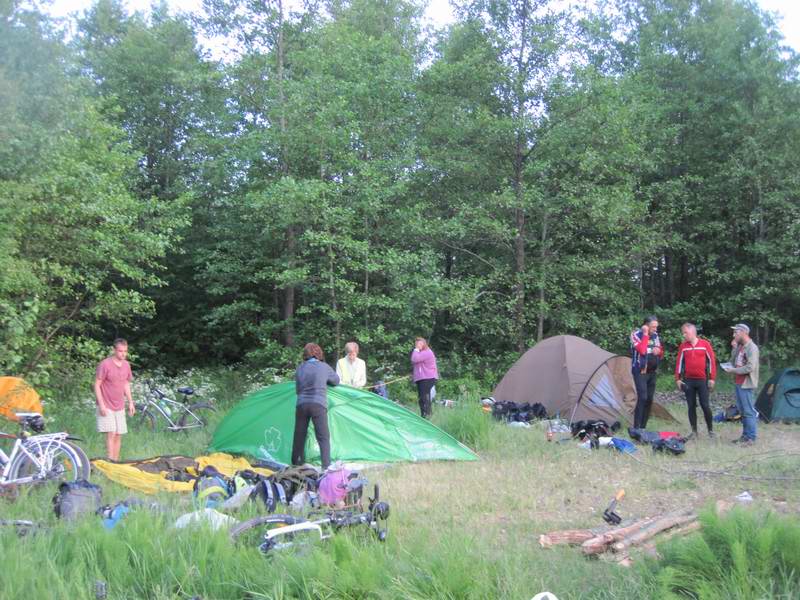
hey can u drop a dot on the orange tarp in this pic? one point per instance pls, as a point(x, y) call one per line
point(17, 396)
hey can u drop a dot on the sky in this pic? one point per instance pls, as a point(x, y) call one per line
point(439, 13)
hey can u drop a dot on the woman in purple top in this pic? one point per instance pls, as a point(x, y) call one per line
point(425, 374)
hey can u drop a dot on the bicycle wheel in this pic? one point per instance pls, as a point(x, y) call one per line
point(86, 464)
point(196, 416)
point(49, 461)
point(144, 419)
point(253, 531)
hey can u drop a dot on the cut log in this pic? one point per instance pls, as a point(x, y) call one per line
point(572, 537)
point(650, 547)
point(600, 543)
point(659, 525)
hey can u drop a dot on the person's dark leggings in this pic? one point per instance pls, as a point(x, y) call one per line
point(645, 390)
point(424, 387)
point(697, 389)
point(318, 414)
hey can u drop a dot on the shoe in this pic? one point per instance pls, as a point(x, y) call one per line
point(741, 440)
point(711, 435)
point(748, 442)
point(691, 436)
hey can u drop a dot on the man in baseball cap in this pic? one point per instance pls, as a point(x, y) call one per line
point(744, 359)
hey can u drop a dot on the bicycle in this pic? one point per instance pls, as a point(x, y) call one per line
point(283, 531)
point(179, 414)
point(42, 457)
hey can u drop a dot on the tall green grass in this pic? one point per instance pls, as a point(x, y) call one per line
point(740, 556)
point(465, 422)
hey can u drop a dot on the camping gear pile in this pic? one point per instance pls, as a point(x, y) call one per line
point(730, 414)
point(668, 442)
point(514, 412)
point(275, 492)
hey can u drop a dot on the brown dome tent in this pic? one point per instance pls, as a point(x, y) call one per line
point(576, 380)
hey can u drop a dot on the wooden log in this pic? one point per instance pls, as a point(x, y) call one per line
point(659, 525)
point(600, 543)
point(572, 537)
point(650, 547)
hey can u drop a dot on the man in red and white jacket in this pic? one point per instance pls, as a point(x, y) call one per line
point(695, 373)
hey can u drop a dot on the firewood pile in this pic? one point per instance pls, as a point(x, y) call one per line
point(615, 544)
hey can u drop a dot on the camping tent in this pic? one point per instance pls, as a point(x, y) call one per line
point(363, 427)
point(779, 399)
point(16, 395)
point(575, 379)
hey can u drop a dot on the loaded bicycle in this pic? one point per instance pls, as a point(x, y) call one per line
point(277, 532)
point(180, 415)
point(38, 457)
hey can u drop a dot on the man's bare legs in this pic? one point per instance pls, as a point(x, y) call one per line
point(113, 444)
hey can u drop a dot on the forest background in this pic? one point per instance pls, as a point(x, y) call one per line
point(346, 173)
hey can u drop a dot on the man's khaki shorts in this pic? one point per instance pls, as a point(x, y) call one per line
point(113, 422)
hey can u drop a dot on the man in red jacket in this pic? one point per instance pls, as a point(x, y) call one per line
point(695, 372)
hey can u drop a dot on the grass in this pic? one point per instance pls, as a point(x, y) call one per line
point(457, 530)
point(741, 555)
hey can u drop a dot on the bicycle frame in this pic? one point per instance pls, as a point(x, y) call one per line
point(42, 441)
point(153, 401)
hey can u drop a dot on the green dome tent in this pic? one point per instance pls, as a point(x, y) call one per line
point(779, 399)
point(363, 426)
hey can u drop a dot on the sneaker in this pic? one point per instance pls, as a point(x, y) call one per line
point(741, 440)
point(691, 436)
point(748, 442)
point(711, 435)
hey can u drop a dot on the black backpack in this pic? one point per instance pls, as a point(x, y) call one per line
point(76, 498)
point(670, 446)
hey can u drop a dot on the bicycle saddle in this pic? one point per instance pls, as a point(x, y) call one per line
point(33, 421)
point(186, 390)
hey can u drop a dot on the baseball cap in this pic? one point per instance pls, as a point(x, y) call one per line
point(741, 327)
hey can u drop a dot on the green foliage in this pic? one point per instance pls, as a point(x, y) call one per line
point(342, 175)
point(740, 555)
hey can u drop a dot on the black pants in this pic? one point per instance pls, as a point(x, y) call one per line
point(318, 414)
point(694, 389)
point(424, 392)
point(645, 390)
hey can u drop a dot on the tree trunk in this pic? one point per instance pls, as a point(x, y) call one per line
point(670, 283)
point(337, 324)
point(289, 293)
point(289, 290)
point(542, 277)
point(520, 152)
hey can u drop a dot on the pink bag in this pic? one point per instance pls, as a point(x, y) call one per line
point(333, 486)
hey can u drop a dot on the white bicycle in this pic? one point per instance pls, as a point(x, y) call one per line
point(41, 456)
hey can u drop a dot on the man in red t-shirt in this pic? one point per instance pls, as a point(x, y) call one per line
point(112, 386)
point(695, 373)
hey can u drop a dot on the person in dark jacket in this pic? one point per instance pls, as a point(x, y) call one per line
point(312, 379)
point(646, 354)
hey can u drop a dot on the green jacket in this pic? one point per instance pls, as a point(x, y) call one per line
point(750, 367)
